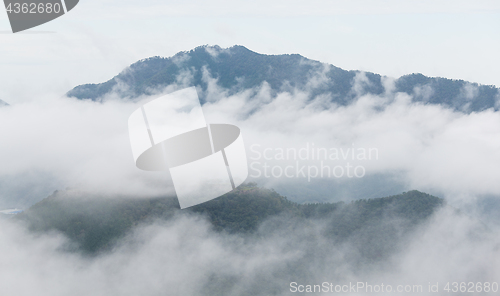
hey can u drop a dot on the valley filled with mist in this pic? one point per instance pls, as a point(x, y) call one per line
point(417, 203)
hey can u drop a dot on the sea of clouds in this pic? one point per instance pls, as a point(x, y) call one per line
point(57, 142)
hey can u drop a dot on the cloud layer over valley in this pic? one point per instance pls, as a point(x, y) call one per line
point(54, 143)
point(59, 142)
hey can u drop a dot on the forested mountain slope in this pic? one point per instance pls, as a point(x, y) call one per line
point(238, 68)
point(96, 224)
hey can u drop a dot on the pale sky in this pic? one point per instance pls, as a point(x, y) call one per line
point(99, 38)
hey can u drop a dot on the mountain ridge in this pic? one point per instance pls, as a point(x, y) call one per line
point(97, 224)
point(238, 68)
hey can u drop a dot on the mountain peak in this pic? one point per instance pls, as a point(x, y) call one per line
point(237, 69)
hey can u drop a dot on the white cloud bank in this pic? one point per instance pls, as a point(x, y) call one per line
point(435, 148)
point(84, 144)
point(164, 258)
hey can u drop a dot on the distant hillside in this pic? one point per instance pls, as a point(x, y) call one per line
point(2, 103)
point(95, 224)
point(238, 68)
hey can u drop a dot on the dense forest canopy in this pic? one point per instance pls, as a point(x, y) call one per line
point(238, 68)
point(96, 224)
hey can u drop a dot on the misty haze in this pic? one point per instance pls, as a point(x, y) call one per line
point(355, 178)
